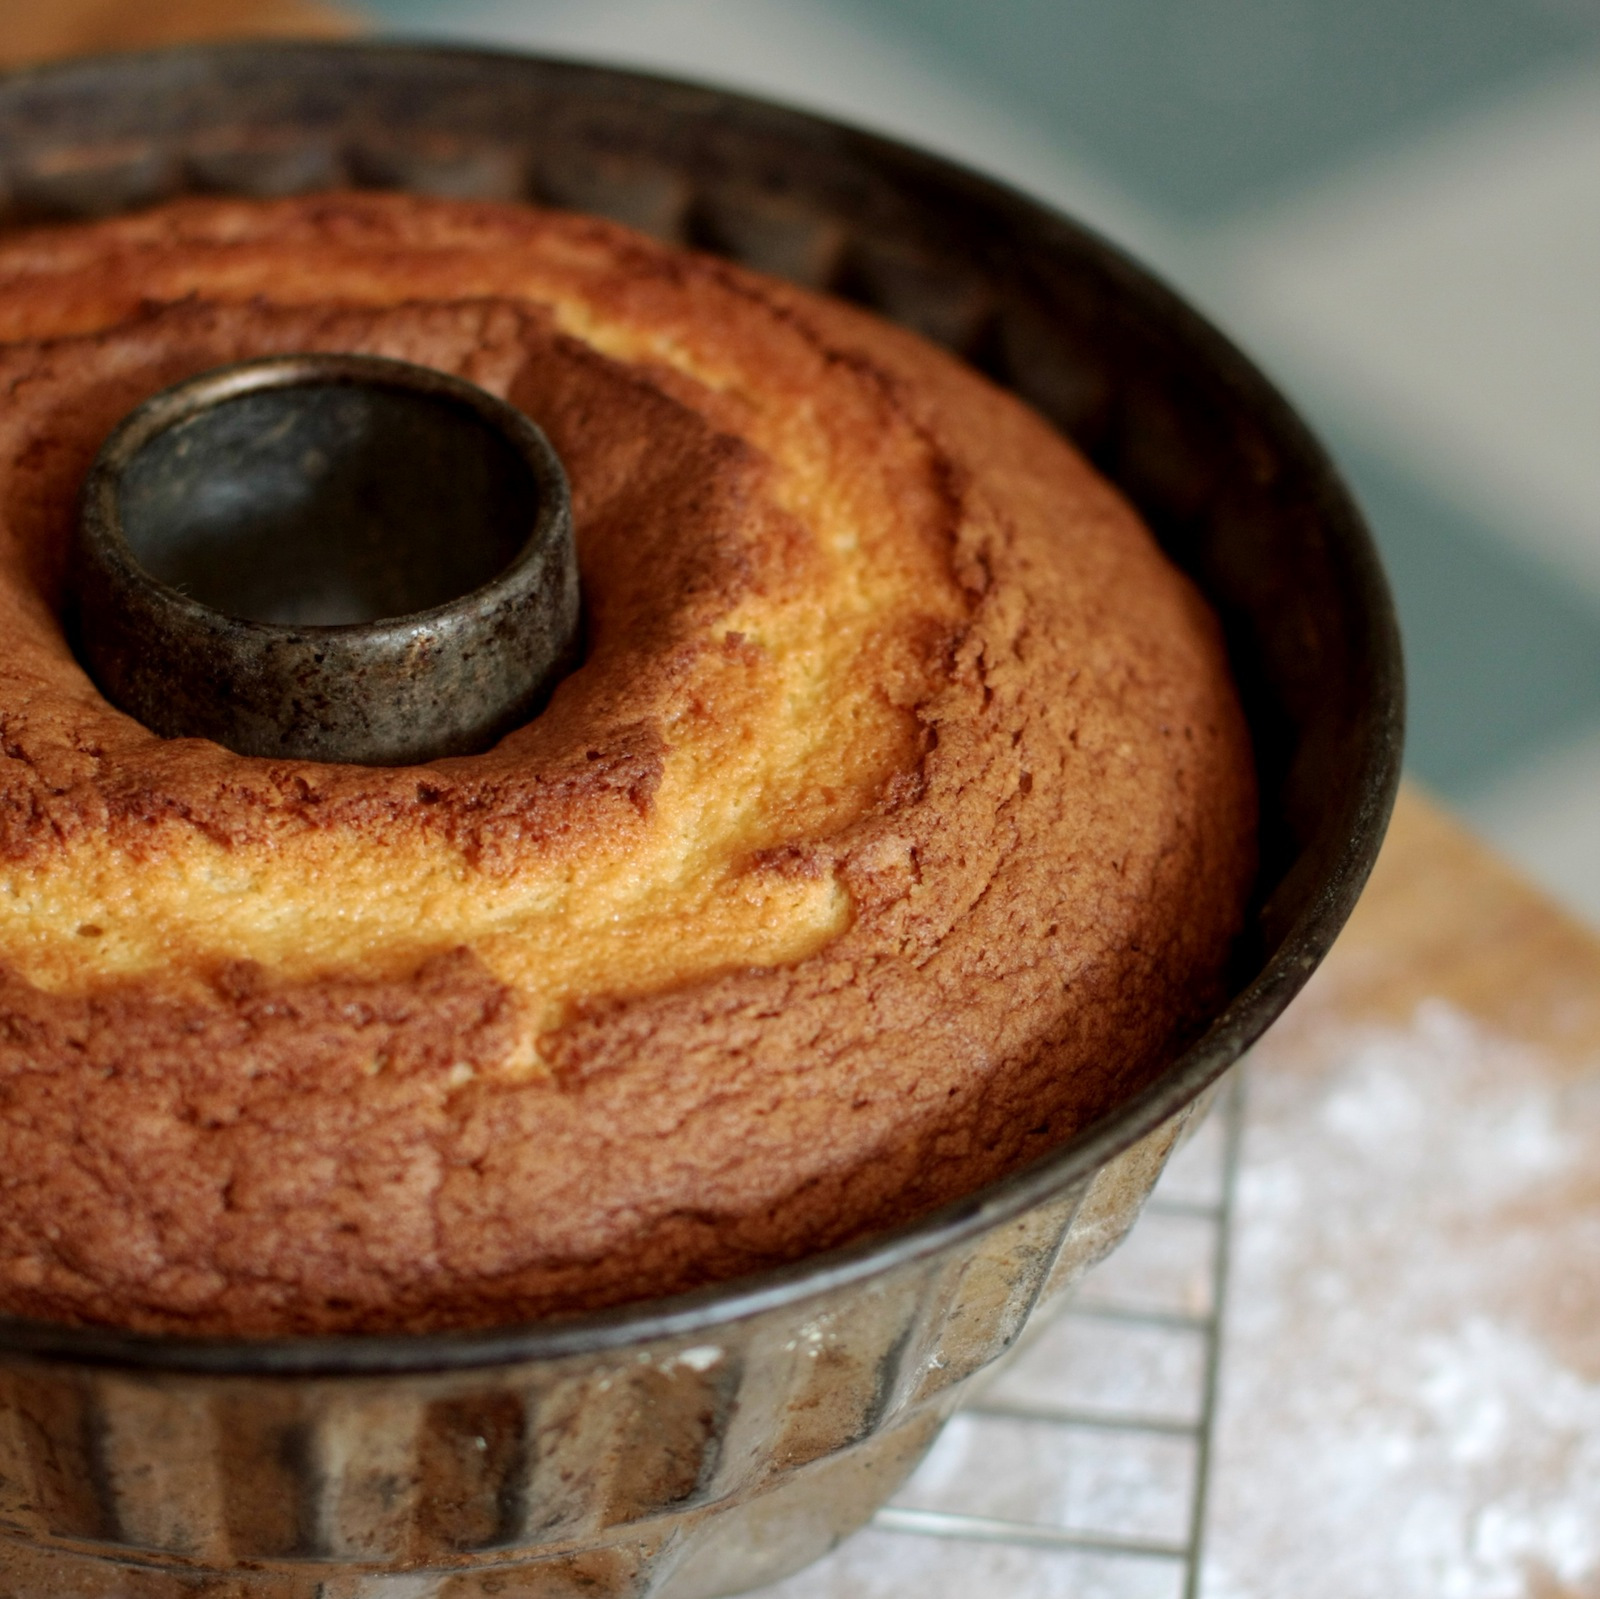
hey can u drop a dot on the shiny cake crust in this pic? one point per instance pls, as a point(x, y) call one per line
point(897, 823)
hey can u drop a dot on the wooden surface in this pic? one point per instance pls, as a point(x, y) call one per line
point(1444, 918)
point(1411, 1367)
point(39, 30)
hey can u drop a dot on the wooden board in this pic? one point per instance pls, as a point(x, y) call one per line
point(1411, 1367)
point(40, 31)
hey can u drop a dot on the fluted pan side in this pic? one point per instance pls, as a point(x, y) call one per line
point(680, 1468)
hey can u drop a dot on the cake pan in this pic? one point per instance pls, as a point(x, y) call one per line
point(700, 1445)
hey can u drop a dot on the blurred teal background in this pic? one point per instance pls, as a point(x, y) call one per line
point(1394, 204)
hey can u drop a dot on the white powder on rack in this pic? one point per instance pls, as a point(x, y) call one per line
point(1411, 1379)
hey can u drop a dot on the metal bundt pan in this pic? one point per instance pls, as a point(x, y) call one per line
point(697, 1446)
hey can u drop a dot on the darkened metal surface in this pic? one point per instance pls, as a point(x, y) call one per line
point(1240, 495)
point(329, 558)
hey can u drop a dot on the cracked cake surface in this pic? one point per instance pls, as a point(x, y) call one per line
point(896, 824)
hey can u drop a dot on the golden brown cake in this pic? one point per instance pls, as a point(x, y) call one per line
point(897, 822)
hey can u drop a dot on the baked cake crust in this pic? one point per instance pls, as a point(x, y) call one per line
point(897, 823)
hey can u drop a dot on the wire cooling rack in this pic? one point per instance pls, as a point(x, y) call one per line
point(1080, 1470)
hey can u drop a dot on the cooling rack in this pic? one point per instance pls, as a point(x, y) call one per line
point(1080, 1470)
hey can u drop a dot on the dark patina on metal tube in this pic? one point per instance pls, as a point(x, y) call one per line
point(329, 558)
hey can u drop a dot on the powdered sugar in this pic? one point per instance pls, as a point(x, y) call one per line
point(1411, 1398)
